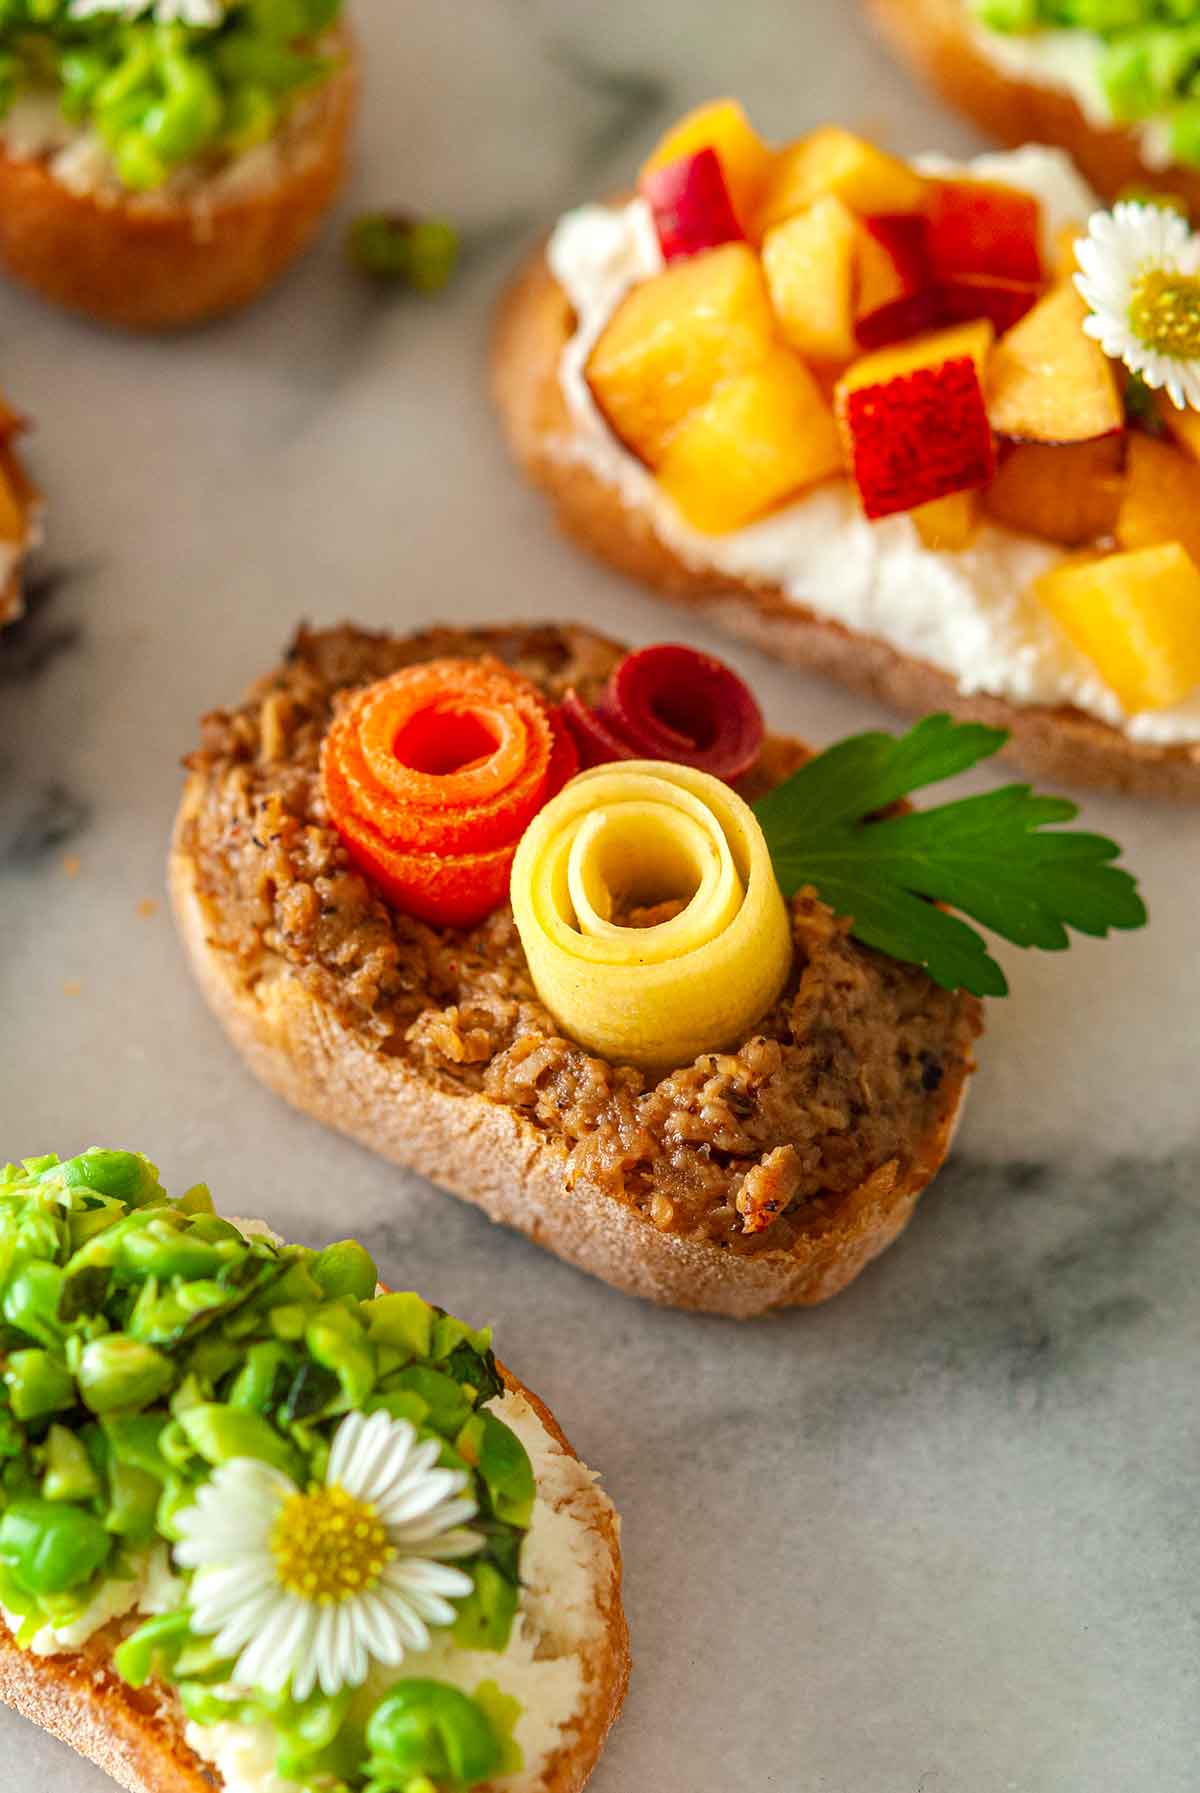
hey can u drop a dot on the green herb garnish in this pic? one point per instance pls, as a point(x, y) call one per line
point(990, 856)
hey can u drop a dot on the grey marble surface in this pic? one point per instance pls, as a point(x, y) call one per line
point(940, 1537)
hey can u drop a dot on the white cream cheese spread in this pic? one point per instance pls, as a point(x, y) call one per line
point(970, 614)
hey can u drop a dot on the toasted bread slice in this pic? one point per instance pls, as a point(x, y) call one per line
point(936, 39)
point(139, 1737)
point(165, 261)
point(298, 1026)
point(1059, 744)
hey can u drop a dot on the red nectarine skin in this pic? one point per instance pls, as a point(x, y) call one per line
point(913, 306)
point(979, 227)
point(919, 437)
point(967, 296)
point(690, 203)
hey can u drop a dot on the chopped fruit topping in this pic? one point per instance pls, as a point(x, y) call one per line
point(979, 227)
point(744, 157)
point(897, 297)
point(1182, 426)
point(674, 338)
point(761, 437)
point(1048, 382)
point(948, 524)
point(810, 265)
point(914, 420)
point(1162, 498)
point(670, 703)
point(1137, 618)
point(1066, 262)
point(833, 162)
point(1068, 495)
point(690, 205)
point(1003, 302)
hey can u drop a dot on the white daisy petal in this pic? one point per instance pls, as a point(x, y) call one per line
point(1121, 249)
point(245, 1590)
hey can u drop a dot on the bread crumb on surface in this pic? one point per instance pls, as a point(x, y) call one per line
point(71, 864)
point(148, 907)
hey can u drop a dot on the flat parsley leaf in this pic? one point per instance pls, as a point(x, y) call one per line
point(988, 856)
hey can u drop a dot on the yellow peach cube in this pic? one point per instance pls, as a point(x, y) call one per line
point(1137, 618)
point(835, 163)
point(948, 524)
point(1161, 502)
point(674, 338)
point(762, 436)
point(1182, 426)
point(809, 263)
point(745, 159)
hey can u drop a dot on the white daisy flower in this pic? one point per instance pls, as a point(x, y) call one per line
point(1140, 276)
point(197, 13)
point(309, 1586)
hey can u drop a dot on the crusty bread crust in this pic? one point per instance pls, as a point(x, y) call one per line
point(137, 1736)
point(934, 37)
point(492, 1155)
point(143, 265)
point(1061, 745)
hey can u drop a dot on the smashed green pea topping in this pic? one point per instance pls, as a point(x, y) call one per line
point(144, 1343)
point(161, 92)
point(1149, 56)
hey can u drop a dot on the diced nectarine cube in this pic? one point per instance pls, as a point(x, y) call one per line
point(761, 437)
point(833, 162)
point(1066, 265)
point(896, 294)
point(914, 420)
point(1137, 618)
point(744, 157)
point(809, 264)
point(1048, 382)
point(690, 204)
point(1162, 497)
point(948, 524)
point(1068, 494)
point(1003, 302)
point(981, 227)
point(672, 339)
point(1182, 426)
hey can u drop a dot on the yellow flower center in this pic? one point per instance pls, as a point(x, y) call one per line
point(328, 1546)
point(1164, 312)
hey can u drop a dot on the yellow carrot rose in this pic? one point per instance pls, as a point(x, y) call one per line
point(633, 837)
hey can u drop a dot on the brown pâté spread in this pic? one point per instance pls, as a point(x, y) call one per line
point(850, 1072)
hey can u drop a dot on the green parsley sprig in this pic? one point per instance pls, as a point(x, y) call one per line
point(989, 856)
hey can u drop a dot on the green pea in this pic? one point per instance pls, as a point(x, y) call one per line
point(189, 113)
point(31, 1302)
point(133, 1503)
point(426, 1727)
point(118, 1372)
point(346, 1269)
point(127, 1176)
point(136, 1439)
point(337, 1342)
point(50, 1547)
point(402, 1320)
point(219, 1434)
point(485, 1617)
point(254, 1386)
point(153, 1649)
point(504, 1464)
point(38, 1384)
point(447, 1406)
point(251, 116)
point(69, 1473)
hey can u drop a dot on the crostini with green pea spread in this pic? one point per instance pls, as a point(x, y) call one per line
point(264, 1525)
point(164, 161)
